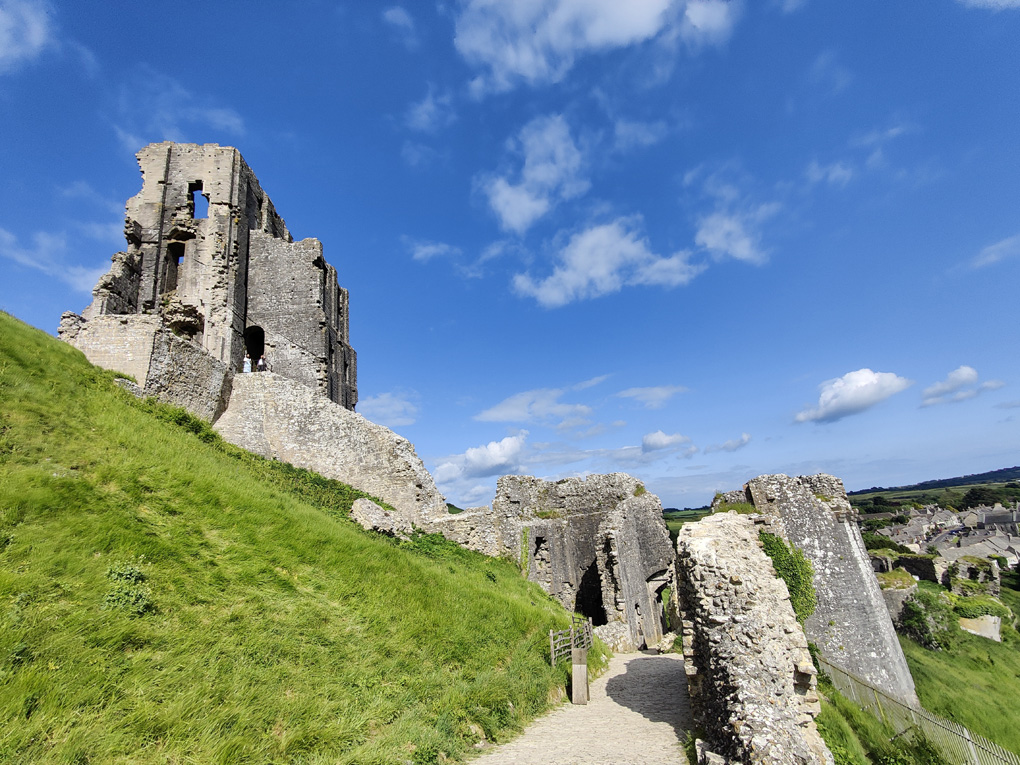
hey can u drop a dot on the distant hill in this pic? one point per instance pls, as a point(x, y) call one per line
point(994, 476)
point(168, 597)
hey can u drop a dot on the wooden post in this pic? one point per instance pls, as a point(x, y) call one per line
point(579, 678)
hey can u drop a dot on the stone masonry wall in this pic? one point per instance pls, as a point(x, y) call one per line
point(851, 625)
point(282, 419)
point(750, 675)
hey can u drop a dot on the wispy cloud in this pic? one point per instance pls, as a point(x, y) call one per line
point(25, 32)
point(433, 112)
point(393, 409)
point(424, 250)
point(603, 259)
point(960, 385)
point(402, 23)
point(852, 393)
point(730, 446)
point(630, 134)
point(827, 72)
point(732, 229)
point(551, 171)
point(155, 107)
point(543, 405)
point(834, 174)
point(49, 254)
point(994, 5)
point(654, 397)
point(996, 253)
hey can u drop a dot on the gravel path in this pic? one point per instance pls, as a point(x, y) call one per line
point(637, 715)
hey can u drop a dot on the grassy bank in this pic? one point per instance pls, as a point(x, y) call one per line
point(166, 598)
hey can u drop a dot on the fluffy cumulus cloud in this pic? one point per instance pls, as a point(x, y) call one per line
point(730, 446)
point(960, 384)
point(995, 253)
point(603, 259)
point(391, 409)
point(49, 254)
point(709, 21)
point(543, 405)
point(551, 171)
point(25, 32)
point(537, 41)
point(494, 458)
point(654, 397)
point(852, 393)
point(658, 441)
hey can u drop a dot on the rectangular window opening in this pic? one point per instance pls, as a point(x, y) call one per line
point(199, 201)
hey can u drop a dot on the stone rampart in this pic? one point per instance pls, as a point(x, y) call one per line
point(282, 419)
point(851, 625)
point(750, 677)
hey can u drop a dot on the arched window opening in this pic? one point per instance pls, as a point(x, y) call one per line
point(199, 201)
point(254, 344)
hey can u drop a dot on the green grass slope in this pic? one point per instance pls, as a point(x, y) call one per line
point(165, 597)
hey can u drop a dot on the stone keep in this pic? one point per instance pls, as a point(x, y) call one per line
point(209, 264)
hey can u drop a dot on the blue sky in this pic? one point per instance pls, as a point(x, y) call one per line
point(691, 240)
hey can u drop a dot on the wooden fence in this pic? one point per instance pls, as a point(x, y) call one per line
point(957, 744)
point(562, 642)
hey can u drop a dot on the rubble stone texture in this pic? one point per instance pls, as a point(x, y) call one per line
point(851, 625)
point(750, 676)
point(375, 518)
point(226, 280)
point(282, 419)
point(599, 545)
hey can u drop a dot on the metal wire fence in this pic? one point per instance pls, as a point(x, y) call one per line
point(954, 741)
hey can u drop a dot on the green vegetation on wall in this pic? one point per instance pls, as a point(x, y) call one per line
point(796, 570)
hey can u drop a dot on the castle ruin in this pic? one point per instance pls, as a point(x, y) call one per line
point(210, 264)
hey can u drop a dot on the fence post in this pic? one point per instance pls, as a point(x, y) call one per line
point(970, 746)
point(579, 676)
point(552, 649)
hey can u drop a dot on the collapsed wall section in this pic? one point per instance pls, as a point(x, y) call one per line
point(750, 675)
point(599, 545)
point(851, 624)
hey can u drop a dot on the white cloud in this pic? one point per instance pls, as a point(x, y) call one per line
point(603, 259)
point(732, 228)
point(25, 32)
point(542, 405)
point(835, 174)
point(402, 23)
point(995, 5)
point(391, 409)
point(537, 41)
point(49, 254)
point(494, 458)
point(551, 171)
point(424, 250)
point(730, 235)
point(826, 72)
point(417, 154)
point(658, 440)
point(709, 21)
point(154, 107)
point(431, 113)
point(730, 446)
point(995, 253)
point(629, 134)
point(960, 384)
point(853, 393)
point(653, 397)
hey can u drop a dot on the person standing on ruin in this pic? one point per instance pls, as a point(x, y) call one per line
point(247, 363)
point(262, 366)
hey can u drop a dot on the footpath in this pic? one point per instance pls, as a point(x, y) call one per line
point(638, 714)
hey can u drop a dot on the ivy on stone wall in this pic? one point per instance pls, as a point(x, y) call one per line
point(796, 570)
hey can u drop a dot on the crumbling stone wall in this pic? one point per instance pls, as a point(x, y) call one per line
point(282, 419)
point(598, 544)
point(227, 279)
point(851, 625)
point(750, 676)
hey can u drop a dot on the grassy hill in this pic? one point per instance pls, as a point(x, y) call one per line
point(169, 598)
point(965, 491)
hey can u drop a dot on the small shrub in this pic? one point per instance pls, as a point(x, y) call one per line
point(879, 542)
point(796, 570)
point(974, 606)
point(640, 490)
point(927, 618)
point(128, 591)
point(740, 508)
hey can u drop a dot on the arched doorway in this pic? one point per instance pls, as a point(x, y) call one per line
point(254, 343)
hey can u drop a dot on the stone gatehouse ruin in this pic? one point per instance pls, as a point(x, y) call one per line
point(210, 264)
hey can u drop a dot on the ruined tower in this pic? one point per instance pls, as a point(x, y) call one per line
point(209, 263)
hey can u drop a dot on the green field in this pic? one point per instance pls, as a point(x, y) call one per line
point(169, 598)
